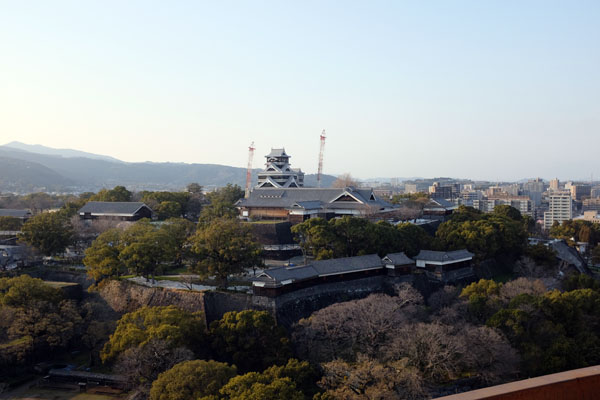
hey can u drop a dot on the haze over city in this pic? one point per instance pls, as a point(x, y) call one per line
point(497, 91)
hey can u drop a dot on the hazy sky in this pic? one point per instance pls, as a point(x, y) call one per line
point(480, 89)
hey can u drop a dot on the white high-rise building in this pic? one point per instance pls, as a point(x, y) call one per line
point(561, 209)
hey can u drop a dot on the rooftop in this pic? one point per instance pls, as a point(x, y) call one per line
point(111, 208)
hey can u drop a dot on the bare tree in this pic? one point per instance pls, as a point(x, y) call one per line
point(141, 365)
point(359, 326)
point(370, 379)
point(345, 180)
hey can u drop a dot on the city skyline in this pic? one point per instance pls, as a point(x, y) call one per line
point(491, 91)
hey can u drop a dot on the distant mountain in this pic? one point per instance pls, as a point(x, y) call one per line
point(68, 153)
point(20, 175)
point(78, 174)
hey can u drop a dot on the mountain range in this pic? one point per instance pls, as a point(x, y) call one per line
point(28, 168)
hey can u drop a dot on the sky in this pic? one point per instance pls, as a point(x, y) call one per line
point(498, 90)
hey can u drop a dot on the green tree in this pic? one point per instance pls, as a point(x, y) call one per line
point(197, 379)
point(49, 233)
point(194, 188)
point(223, 247)
point(413, 239)
point(10, 224)
point(313, 236)
point(168, 209)
point(146, 248)
point(489, 236)
point(483, 298)
point(249, 339)
point(508, 211)
point(222, 203)
point(118, 193)
point(542, 255)
point(23, 291)
point(102, 259)
point(177, 327)
point(255, 386)
point(179, 230)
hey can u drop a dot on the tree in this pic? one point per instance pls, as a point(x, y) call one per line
point(223, 247)
point(102, 259)
point(145, 249)
point(197, 379)
point(118, 193)
point(194, 188)
point(24, 291)
point(370, 379)
point(222, 203)
point(168, 209)
point(179, 230)
point(345, 180)
point(254, 386)
point(314, 236)
point(49, 233)
point(141, 366)
point(136, 329)
point(365, 326)
point(508, 211)
point(249, 339)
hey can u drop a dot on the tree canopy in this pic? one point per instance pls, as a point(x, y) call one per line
point(224, 246)
point(197, 379)
point(50, 233)
point(249, 339)
point(171, 324)
point(118, 193)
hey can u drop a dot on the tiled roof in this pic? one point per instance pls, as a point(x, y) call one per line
point(347, 264)
point(277, 153)
point(336, 266)
point(441, 256)
point(399, 259)
point(110, 207)
point(9, 212)
point(288, 197)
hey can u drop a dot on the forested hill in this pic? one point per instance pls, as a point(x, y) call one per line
point(26, 171)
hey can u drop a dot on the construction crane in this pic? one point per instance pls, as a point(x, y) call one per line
point(320, 170)
point(249, 170)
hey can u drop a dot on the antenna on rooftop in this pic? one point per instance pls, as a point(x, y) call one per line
point(249, 169)
point(322, 149)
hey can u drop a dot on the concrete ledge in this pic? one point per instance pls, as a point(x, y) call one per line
point(577, 384)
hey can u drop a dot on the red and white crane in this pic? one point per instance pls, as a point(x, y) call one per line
point(322, 149)
point(249, 170)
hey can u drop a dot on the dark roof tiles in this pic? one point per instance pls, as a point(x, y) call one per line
point(110, 207)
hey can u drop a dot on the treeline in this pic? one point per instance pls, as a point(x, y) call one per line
point(498, 235)
point(37, 322)
point(166, 353)
point(487, 333)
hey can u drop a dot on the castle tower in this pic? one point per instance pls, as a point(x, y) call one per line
point(278, 172)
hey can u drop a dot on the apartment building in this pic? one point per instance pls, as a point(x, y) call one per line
point(560, 208)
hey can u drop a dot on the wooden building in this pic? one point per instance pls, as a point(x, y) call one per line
point(123, 211)
point(445, 266)
point(299, 204)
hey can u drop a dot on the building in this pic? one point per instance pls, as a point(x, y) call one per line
point(579, 192)
point(299, 204)
point(117, 210)
point(275, 281)
point(591, 204)
point(560, 208)
point(410, 188)
point(278, 172)
point(438, 209)
point(439, 266)
point(555, 185)
point(449, 266)
point(23, 215)
point(591, 216)
point(437, 191)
